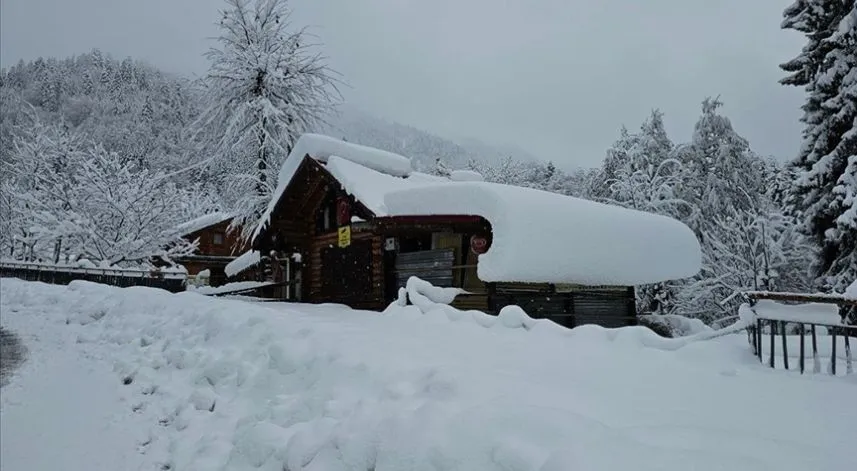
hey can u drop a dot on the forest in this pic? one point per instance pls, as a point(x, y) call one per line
point(103, 157)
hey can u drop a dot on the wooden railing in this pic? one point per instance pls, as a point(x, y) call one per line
point(124, 277)
point(839, 333)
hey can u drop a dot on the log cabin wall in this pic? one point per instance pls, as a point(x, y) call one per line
point(352, 275)
point(303, 222)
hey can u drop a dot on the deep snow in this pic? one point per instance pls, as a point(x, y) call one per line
point(577, 241)
point(218, 384)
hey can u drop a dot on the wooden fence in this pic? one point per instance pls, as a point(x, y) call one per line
point(840, 334)
point(62, 275)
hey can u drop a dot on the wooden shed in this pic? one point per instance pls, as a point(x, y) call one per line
point(337, 232)
point(217, 245)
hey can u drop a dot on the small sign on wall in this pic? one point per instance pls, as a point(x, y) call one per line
point(390, 244)
point(478, 244)
point(344, 236)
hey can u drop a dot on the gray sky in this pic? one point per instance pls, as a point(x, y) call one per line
point(555, 77)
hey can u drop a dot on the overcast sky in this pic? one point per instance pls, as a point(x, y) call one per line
point(555, 77)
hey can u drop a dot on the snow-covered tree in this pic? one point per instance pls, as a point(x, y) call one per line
point(65, 198)
point(825, 190)
point(265, 88)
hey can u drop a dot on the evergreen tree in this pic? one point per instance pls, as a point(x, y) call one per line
point(825, 189)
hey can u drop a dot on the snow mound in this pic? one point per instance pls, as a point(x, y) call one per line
point(229, 385)
point(678, 326)
point(465, 176)
point(546, 237)
point(229, 287)
point(243, 262)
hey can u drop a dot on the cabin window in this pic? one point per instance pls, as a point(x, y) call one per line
point(218, 238)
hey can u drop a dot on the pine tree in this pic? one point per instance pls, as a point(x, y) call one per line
point(265, 88)
point(825, 190)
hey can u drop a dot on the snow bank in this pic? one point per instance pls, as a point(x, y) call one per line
point(678, 326)
point(465, 176)
point(202, 222)
point(229, 385)
point(229, 287)
point(243, 262)
point(546, 237)
point(321, 148)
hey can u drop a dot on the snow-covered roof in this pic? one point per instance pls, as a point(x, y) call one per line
point(202, 222)
point(321, 148)
point(244, 261)
point(544, 237)
point(538, 237)
point(369, 186)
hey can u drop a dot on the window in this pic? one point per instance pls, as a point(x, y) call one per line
point(218, 238)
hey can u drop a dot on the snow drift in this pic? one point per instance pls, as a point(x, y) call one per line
point(230, 385)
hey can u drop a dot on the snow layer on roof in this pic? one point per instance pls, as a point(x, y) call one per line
point(242, 262)
point(202, 222)
point(543, 237)
point(321, 148)
point(369, 187)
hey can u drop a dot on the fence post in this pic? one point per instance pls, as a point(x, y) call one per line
point(771, 328)
point(759, 338)
point(849, 368)
point(785, 347)
point(833, 353)
point(816, 363)
point(802, 362)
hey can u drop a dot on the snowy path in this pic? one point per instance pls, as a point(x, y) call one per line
point(230, 385)
point(63, 409)
point(12, 354)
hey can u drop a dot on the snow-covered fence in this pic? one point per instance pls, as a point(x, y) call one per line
point(821, 315)
point(169, 280)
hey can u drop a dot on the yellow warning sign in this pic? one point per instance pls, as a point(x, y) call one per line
point(344, 236)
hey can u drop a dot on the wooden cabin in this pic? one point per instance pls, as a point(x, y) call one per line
point(217, 246)
point(332, 234)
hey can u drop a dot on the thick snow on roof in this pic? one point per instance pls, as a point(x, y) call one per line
point(551, 238)
point(369, 187)
point(242, 262)
point(322, 148)
point(202, 222)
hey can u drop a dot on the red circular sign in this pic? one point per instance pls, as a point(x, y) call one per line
point(478, 244)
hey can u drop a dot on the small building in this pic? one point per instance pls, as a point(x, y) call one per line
point(217, 245)
point(350, 224)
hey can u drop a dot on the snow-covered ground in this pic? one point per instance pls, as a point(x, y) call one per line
point(215, 384)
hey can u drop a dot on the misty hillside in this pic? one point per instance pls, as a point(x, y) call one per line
point(358, 126)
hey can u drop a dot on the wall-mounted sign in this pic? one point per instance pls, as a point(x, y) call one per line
point(478, 244)
point(344, 236)
point(390, 244)
point(343, 211)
